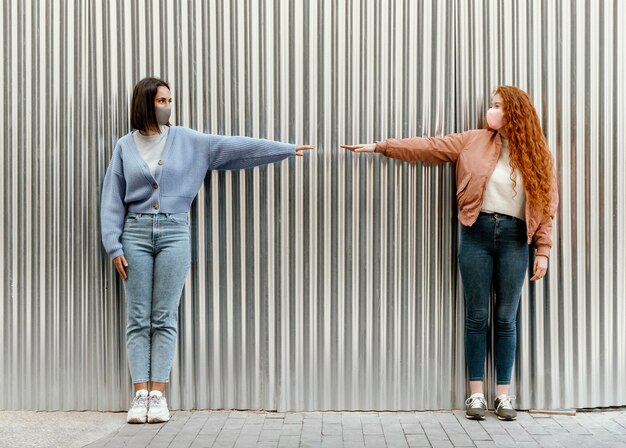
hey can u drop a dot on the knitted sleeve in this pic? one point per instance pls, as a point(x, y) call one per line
point(234, 153)
point(112, 206)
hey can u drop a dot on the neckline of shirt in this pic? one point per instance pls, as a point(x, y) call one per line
point(156, 138)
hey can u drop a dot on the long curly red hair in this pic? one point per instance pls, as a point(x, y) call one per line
point(529, 152)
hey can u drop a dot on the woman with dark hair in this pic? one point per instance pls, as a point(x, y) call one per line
point(153, 176)
point(507, 198)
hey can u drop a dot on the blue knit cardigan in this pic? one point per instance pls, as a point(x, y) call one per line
point(188, 155)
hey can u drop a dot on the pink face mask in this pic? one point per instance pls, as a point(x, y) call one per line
point(495, 118)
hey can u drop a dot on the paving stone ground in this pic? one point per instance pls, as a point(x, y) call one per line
point(197, 429)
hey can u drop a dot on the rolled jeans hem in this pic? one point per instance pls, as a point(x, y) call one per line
point(141, 381)
point(476, 379)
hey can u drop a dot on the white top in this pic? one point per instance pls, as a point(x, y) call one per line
point(499, 195)
point(151, 147)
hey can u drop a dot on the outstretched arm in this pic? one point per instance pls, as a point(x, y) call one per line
point(418, 149)
point(234, 153)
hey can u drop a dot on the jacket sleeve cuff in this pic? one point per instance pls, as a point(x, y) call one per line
point(381, 147)
point(543, 250)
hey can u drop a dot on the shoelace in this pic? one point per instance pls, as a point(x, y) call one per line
point(506, 402)
point(155, 401)
point(476, 402)
point(141, 400)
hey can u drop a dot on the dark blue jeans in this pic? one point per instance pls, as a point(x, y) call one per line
point(493, 254)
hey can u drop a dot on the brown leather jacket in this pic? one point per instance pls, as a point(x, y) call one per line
point(476, 153)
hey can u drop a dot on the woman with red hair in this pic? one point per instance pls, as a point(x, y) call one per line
point(507, 198)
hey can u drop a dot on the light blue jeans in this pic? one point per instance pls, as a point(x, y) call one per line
point(157, 249)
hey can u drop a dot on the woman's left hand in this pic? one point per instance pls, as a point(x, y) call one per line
point(299, 150)
point(541, 267)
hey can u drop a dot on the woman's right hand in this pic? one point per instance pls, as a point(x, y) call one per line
point(368, 147)
point(120, 262)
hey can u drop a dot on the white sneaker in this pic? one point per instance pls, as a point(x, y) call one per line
point(139, 408)
point(157, 408)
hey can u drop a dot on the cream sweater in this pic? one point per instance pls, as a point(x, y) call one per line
point(499, 194)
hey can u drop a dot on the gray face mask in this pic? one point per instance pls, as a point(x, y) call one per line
point(163, 114)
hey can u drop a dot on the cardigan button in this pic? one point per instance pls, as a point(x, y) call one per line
point(160, 162)
point(156, 205)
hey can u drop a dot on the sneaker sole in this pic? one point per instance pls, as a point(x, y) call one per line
point(136, 420)
point(159, 418)
point(506, 419)
point(474, 417)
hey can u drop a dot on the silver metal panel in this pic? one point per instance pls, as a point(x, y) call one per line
point(327, 282)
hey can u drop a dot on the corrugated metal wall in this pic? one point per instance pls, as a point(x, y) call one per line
point(328, 282)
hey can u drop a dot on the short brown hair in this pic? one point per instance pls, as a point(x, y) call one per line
point(142, 114)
